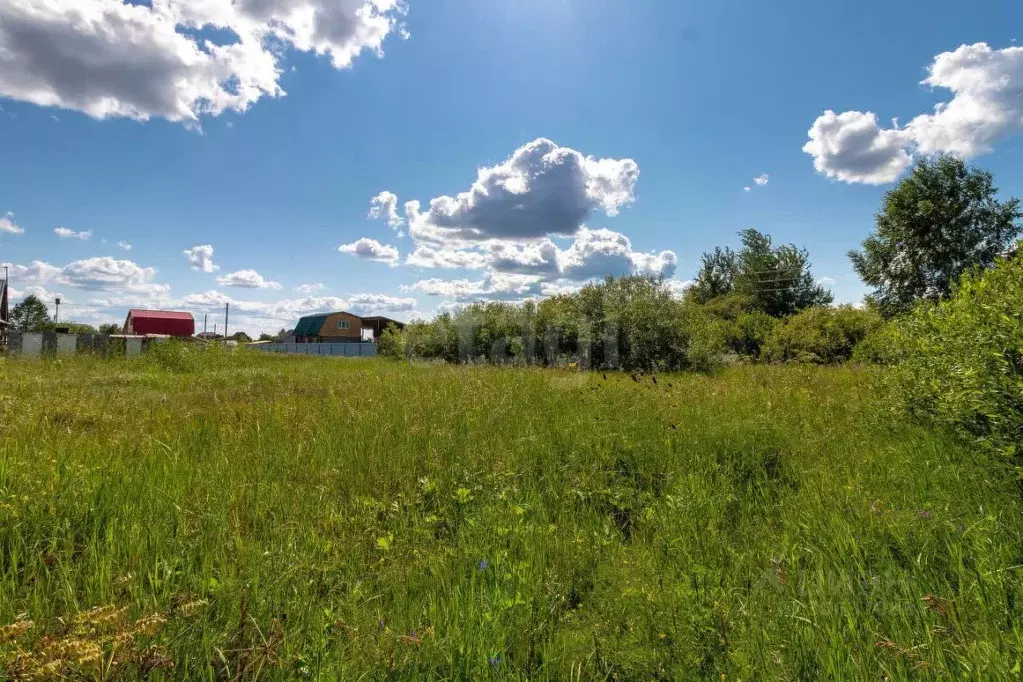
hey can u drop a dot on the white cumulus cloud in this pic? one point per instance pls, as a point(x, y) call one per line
point(201, 258)
point(111, 273)
point(65, 233)
point(98, 274)
point(247, 279)
point(444, 257)
point(985, 106)
point(762, 179)
point(124, 246)
point(495, 286)
point(384, 206)
point(7, 224)
point(852, 147)
point(371, 249)
point(542, 189)
point(521, 224)
point(366, 304)
point(109, 58)
point(309, 288)
point(596, 253)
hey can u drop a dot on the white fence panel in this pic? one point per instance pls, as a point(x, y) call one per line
point(132, 347)
point(32, 344)
point(67, 344)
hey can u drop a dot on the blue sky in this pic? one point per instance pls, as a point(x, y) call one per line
point(620, 136)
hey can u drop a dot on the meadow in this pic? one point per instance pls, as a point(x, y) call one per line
point(227, 517)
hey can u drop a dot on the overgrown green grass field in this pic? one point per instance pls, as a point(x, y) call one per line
point(250, 517)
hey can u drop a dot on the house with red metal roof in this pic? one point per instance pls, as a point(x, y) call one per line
point(159, 322)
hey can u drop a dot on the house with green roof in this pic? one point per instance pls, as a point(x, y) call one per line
point(340, 327)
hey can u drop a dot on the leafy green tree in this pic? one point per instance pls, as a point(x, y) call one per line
point(716, 275)
point(773, 279)
point(776, 278)
point(110, 328)
point(941, 221)
point(31, 315)
point(266, 337)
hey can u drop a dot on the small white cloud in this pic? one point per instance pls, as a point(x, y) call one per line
point(826, 282)
point(384, 206)
point(201, 258)
point(747, 189)
point(365, 304)
point(65, 233)
point(678, 287)
point(247, 279)
point(309, 288)
point(371, 249)
point(8, 226)
point(125, 246)
point(762, 179)
point(442, 257)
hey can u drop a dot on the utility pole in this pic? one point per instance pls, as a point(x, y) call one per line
point(227, 310)
point(56, 312)
point(204, 316)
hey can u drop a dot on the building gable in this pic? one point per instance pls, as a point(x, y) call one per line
point(341, 325)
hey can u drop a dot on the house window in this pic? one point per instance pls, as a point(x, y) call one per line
point(342, 324)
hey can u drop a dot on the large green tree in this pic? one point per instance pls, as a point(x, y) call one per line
point(31, 315)
point(774, 279)
point(110, 328)
point(943, 220)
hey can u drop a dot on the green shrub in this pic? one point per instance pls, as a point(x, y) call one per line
point(391, 343)
point(877, 347)
point(820, 335)
point(747, 333)
point(960, 361)
point(726, 307)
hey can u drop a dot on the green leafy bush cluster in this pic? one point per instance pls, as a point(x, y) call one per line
point(633, 323)
point(630, 323)
point(743, 328)
point(820, 335)
point(959, 362)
